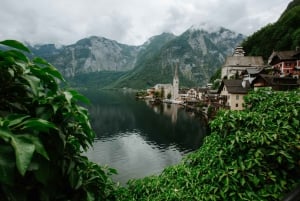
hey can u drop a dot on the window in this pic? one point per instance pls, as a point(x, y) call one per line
point(236, 105)
point(237, 97)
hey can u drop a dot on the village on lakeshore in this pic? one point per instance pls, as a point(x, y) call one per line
point(239, 75)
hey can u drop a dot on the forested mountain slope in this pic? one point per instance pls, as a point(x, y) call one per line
point(281, 35)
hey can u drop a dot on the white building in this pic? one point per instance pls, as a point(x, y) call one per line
point(238, 63)
point(175, 86)
point(165, 89)
point(168, 89)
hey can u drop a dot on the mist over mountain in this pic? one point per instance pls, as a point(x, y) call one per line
point(104, 63)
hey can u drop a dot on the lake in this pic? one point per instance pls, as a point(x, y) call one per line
point(137, 138)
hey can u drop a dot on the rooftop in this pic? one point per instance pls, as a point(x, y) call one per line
point(244, 61)
point(236, 86)
point(284, 55)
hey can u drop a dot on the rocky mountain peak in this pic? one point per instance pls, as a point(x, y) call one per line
point(199, 52)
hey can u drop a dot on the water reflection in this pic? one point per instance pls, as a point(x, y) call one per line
point(170, 110)
point(133, 156)
point(137, 138)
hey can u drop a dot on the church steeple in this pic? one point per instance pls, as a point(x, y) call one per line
point(175, 84)
point(239, 51)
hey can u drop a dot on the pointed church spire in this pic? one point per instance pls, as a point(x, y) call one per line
point(176, 71)
point(176, 83)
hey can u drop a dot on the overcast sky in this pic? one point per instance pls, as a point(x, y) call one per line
point(128, 21)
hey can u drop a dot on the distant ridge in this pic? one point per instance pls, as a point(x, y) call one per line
point(103, 63)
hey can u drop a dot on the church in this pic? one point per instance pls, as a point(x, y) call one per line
point(169, 91)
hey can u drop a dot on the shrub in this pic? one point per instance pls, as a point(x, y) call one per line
point(43, 132)
point(249, 155)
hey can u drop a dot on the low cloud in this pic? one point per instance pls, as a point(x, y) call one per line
point(129, 21)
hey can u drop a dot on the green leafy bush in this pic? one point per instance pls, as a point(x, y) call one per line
point(250, 155)
point(42, 134)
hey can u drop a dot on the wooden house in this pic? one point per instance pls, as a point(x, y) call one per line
point(286, 63)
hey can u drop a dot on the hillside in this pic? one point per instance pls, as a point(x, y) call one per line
point(197, 52)
point(281, 35)
point(103, 63)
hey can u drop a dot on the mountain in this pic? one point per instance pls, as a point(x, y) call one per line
point(91, 54)
point(282, 35)
point(103, 63)
point(152, 46)
point(197, 53)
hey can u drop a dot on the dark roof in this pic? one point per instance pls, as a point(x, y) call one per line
point(266, 78)
point(275, 80)
point(244, 61)
point(235, 86)
point(183, 91)
point(202, 89)
point(283, 55)
point(277, 83)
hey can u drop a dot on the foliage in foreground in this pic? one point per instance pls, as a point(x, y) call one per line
point(250, 155)
point(42, 134)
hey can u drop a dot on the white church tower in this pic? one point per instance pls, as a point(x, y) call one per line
point(175, 84)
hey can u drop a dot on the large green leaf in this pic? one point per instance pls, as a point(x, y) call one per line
point(52, 71)
point(24, 150)
point(17, 55)
point(15, 44)
point(90, 196)
point(39, 147)
point(68, 96)
point(40, 61)
point(34, 82)
point(77, 96)
point(38, 124)
point(5, 135)
point(48, 68)
point(75, 179)
point(16, 119)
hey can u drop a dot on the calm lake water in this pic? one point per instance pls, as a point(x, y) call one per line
point(137, 138)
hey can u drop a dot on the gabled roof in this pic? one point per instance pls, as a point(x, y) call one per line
point(244, 61)
point(283, 56)
point(235, 86)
